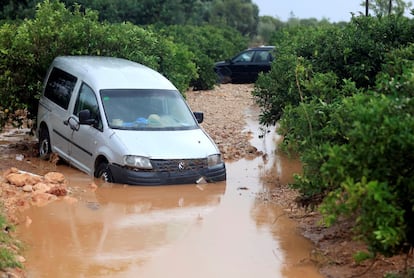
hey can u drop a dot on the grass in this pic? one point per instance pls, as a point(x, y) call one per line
point(8, 246)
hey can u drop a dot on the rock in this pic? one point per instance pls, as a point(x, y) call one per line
point(58, 191)
point(27, 188)
point(21, 203)
point(41, 187)
point(20, 179)
point(54, 177)
point(33, 179)
point(20, 259)
point(42, 199)
point(17, 179)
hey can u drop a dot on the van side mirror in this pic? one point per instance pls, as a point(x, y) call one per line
point(85, 117)
point(199, 116)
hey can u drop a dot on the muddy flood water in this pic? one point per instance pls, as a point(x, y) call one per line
point(217, 230)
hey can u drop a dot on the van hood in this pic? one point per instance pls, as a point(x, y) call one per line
point(177, 144)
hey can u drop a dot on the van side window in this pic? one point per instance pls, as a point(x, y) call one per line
point(87, 100)
point(59, 87)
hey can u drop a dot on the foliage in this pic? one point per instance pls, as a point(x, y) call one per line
point(27, 49)
point(387, 7)
point(209, 44)
point(266, 27)
point(344, 97)
point(371, 174)
point(242, 15)
point(397, 72)
point(146, 12)
point(357, 153)
point(7, 244)
point(355, 52)
point(11, 10)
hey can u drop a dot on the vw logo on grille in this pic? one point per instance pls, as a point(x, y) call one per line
point(182, 165)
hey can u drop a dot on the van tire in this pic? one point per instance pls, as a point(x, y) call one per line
point(104, 173)
point(45, 149)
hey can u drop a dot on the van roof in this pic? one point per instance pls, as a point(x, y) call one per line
point(112, 73)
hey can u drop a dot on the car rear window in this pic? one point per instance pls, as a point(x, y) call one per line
point(59, 87)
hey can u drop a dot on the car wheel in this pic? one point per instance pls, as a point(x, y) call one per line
point(45, 149)
point(104, 173)
point(223, 76)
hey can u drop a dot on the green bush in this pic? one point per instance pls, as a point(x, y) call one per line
point(27, 49)
point(209, 45)
point(357, 156)
point(374, 171)
point(355, 51)
point(356, 145)
point(8, 246)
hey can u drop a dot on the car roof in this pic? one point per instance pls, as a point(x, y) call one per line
point(102, 72)
point(263, 47)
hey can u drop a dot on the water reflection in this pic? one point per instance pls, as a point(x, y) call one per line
point(113, 227)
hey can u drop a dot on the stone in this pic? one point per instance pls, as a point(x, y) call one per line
point(27, 188)
point(54, 177)
point(17, 179)
point(41, 187)
point(42, 199)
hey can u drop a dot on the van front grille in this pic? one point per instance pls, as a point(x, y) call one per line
point(178, 165)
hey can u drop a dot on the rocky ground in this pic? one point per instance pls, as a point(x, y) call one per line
point(224, 109)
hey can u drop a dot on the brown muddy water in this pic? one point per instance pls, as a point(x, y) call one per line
point(207, 230)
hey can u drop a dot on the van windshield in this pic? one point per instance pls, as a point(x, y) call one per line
point(146, 109)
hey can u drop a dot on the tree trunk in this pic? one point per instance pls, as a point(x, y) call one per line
point(390, 7)
point(366, 7)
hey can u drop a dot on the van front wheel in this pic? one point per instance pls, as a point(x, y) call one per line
point(44, 144)
point(104, 173)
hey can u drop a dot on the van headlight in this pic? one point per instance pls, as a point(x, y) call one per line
point(137, 161)
point(213, 160)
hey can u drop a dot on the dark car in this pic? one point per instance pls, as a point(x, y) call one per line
point(245, 66)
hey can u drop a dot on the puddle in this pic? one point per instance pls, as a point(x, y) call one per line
point(206, 230)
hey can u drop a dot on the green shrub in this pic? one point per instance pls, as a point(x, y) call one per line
point(7, 246)
point(357, 153)
point(355, 51)
point(27, 49)
point(373, 173)
point(209, 45)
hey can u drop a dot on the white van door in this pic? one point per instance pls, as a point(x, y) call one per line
point(56, 106)
point(85, 138)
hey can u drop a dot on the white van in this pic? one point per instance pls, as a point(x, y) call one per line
point(123, 122)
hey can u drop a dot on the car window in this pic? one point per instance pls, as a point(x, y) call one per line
point(87, 100)
point(59, 87)
point(146, 109)
point(244, 57)
point(262, 56)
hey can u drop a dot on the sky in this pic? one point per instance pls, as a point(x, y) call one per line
point(333, 10)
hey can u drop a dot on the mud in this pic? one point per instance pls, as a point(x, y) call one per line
point(245, 227)
point(200, 230)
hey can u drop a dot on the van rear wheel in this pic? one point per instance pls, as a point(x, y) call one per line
point(44, 144)
point(104, 173)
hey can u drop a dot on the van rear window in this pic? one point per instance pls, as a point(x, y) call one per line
point(59, 87)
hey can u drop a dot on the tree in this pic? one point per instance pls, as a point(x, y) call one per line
point(386, 7)
point(241, 15)
point(10, 10)
point(266, 27)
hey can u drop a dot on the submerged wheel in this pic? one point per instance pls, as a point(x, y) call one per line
point(104, 173)
point(45, 149)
